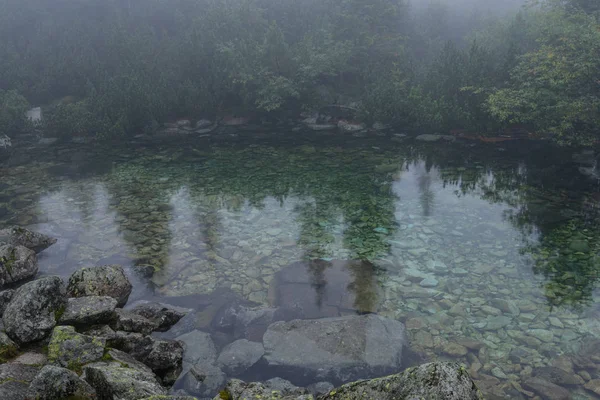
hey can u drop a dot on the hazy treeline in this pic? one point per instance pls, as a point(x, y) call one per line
point(127, 65)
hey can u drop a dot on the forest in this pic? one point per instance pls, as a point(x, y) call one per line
point(116, 68)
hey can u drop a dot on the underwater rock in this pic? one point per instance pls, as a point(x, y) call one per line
point(347, 126)
point(243, 322)
point(54, 383)
point(72, 350)
point(337, 349)
point(89, 310)
point(199, 347)
point(239, 356)
point(31, 314)
point(16, 264)
point(114, 381)
point(546, 389)
point(164, 316)
point(107, 280)
point(440, 381)
point(204, 380)
point(17, 236)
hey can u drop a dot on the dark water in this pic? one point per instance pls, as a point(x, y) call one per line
point(497, 245)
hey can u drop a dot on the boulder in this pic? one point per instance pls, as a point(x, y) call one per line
point(164, 316)
point(239, 356)
point(16, 236)
point(8, 348)
point(112, 381)
point(16, 264)
point(72, 350)
point(276, 389)
point(85, 311)
point(59, 383)
point(31, 314)
point(440, 381)
point(127, 360)
point(164, 357)
point(204, 380)
point(199, 348)
point(127, 321)
point(335, 349)
point(5, 298)
point(15, 379)
point(244, 322)
point(107, 280)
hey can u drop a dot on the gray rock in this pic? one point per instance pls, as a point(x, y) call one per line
point(127, 360)
point(5, 298)
point(239, 390)
point(199, 348)
point(115, 382)
point(163, 315)
point(164, 357)
point(72, 350)
point(8, 348)
point(439, 381)
point(16, 236)
point(557, 376)
point(495, 323)
point(429, 282)
point(15, 379)
point(127, 321)
point(204, 380)
point(30, 316)
point(337, 349)
point(89, 310)
point(159, 397)
point(285, 387)
point(547, 390)
point(16, 264)
point(244, 322)
point(107, 280)
point(320, 388)
point(101, 331)
point(59, 383)
point(239, 356)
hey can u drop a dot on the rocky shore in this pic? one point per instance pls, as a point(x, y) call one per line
point(80, 339)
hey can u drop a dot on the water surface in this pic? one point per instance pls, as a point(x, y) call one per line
point(492, 249)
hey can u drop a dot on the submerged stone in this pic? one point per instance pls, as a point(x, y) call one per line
point(337, 349)
point(34, 241)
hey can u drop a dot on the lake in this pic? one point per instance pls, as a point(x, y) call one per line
point(487, 253)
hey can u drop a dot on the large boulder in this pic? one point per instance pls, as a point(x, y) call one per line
point(113, 381)
point(31, 314)
point(337, 349)
point(59, 383)
point(16, 264)
point(85, 311)
point(16, 236)
point(439, 381)
point(239, 356)
point(107, 280)
point(164, 316)
point(72, 350)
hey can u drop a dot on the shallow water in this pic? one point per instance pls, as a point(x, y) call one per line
point(489, 255)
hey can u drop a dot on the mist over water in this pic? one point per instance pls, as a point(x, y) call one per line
point(332, 190)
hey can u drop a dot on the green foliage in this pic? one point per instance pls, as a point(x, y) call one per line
point(137, 63)
point(556, 88)
point(13, 107)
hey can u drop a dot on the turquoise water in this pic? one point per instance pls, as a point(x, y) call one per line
point(488, 254)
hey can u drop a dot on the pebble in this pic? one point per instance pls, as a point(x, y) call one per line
point(429, 282)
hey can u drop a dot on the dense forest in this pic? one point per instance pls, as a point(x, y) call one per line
point(111, 68)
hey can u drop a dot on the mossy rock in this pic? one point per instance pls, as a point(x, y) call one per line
point(72, 350)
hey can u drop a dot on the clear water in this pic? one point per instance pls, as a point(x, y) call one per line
point(479, 246)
